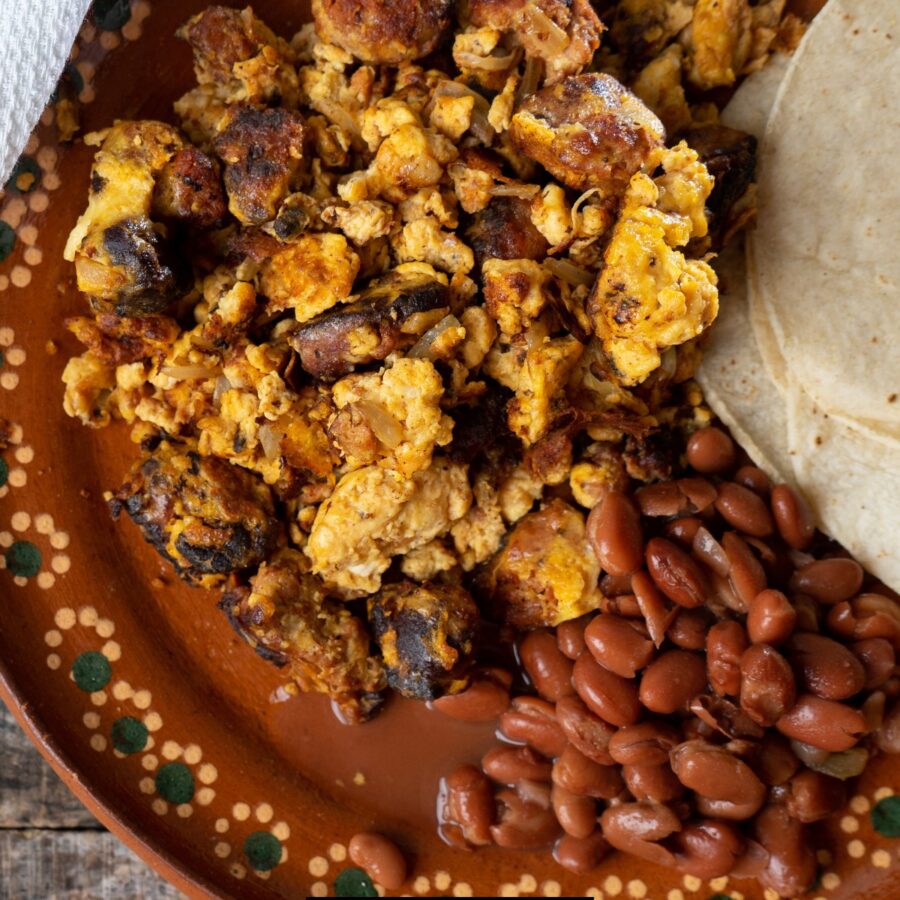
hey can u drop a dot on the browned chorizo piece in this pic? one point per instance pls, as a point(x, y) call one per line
point(589, 131)
point(204, 515)
point(286, 616)
point(425, 632)
point(504, 230)
point(546, 573)
point(131, 268)
point(382, 31)
point(261, 149)
point(730, 157)
point(382, 321)
point(189, 189)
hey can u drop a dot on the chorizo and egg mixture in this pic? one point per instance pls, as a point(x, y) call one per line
point(400, 299)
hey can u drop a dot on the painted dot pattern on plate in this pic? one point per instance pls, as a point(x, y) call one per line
point(91, 671)
point(263, 850)
point(886, 817)
point(175, 783)
point(129, 735)
point(353, 882)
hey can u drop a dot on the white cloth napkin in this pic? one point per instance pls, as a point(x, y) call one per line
point(35, 39)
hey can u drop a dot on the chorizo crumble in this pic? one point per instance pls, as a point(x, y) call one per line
point(399, 299)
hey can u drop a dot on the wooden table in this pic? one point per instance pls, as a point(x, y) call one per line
point(51, 847)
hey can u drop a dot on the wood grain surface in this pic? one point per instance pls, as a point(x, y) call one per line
point(51, 847)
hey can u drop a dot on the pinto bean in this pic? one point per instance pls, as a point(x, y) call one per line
point(380, 858)
point(711, 451)
point(644, 744)
point(657, 783)
point(532, 721)
point(576, 813)
point(768, 689)
point(549, 670)
point(754, 479)
point(793, 517)
point(671, 681)
point(610, 696)
point(675, 573)
point(707, 848)
point(725, 645)
point(825, 724)
point(826, 668)
point(485, 699)
point(657, 614)
point(744, 510)
point(509, 765)
point(583, 776)
point(811, 796)
point(689, 628)
point(588, 733)
point(829, 580)
point(614, 532)
point(712, 772)
point(866, 616)
point(570, 636)
point(791, 866)
point(776, 762)
point(887, 735)
point(467, 810)
point(878, 660)
point(771, 618)
point(638, 829)
point(581, 855)
point(618, 645)
point(745, 573)
point(525, 819)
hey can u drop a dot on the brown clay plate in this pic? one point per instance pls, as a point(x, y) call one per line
point(134, 686)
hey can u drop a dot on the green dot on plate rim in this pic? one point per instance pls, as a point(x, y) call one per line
point(354, 883)
point(25, 166)
point(129, 735)
point(7, 240)
point(263, 850)
point(23, 559)
point(91, 671)
point(175, 783)
point(886, 817)
point(4, 467)
point(110, 15)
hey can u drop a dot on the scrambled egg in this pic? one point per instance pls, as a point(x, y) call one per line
point(401, 409)
point(649, 296)
point(376, 514)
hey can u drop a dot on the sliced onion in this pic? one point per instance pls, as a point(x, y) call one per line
point(186, 373)
point(270, 440)
point(384, 426)
point(422, 347)
point(338, 115)
point(576, 207)
point(466, 60)
point(536, 20)
point(843, 765)
point(567, 271)
point(708, 549)
point(531, 78)
point(525, 191)
point(223, 385)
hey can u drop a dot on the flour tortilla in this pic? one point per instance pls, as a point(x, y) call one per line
point(847, 466)
point(824, 260)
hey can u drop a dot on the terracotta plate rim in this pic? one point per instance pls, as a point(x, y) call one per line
point(160, 860)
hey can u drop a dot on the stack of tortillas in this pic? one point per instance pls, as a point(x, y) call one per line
point(804, 362)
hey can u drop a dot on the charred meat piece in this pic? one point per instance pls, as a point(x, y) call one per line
point(286, 616)
point(189, 189)
point(131, 267)
point(546, 573)
point(478, 429)
point(206, 516)
point(261, 149)
point(651, 457)
point(730, 157)
point(116, 341)
point(503, 230)
point(219, 37)
point(425, 632)
point(382, 31)
point(380, 322)
point(589, 131)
